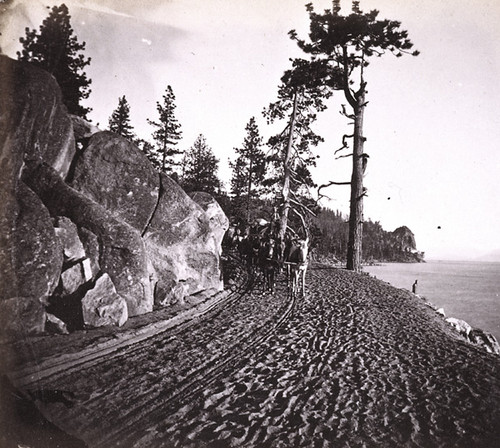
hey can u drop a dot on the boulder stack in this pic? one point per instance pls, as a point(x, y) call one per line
point(90, 233)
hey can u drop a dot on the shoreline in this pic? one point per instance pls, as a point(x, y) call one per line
point(359, 361)
point(465, 290)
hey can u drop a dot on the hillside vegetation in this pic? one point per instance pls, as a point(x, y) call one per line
point(378, 244)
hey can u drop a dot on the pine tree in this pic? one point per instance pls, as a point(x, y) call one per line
point(346, 44)
point(167, 132)
point(119, 122)
point(200, 168)
point(249, 167)
point(300, 97)
point(55, 49)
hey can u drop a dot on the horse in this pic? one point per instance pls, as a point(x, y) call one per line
point(295, 258)
point(230, 238)
point(248, 248)
point(269, 263)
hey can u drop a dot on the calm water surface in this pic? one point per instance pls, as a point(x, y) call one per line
point(466, 290)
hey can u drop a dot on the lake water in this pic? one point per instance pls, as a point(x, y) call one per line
point(466, 290)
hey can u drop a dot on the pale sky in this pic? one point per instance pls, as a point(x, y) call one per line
point(432, 122)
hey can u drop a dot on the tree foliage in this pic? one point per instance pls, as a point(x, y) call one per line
point(331, 240)
point(200, 168)
point(56, 49)
point(300, 97)
point(341, 47)
point(249, 168)
point(119, 122)
point(167, 133)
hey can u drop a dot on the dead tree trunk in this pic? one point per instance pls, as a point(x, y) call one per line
point(287, 168)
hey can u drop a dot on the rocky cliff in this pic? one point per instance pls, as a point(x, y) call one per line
point(90, 233)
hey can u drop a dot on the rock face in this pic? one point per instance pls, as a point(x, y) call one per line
point(90, 233)
point(103, 306)
point(67, 233)
point(180, 244)
point(219, 223)
point(475, 336)
point(405, 239)
point(112, 172)
point(485, 340)
point(34, 124)
point(122, 252)
point(36, 251)
point(22, 316)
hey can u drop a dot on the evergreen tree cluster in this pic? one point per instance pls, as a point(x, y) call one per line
point(332, 234)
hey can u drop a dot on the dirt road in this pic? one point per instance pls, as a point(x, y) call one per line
point(354, 363)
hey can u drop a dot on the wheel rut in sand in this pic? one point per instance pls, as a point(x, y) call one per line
point(357, 363)
point(140, 381)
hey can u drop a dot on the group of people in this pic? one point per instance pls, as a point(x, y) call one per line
point(265, 255)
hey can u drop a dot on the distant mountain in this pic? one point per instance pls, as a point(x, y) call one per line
point(490, 256)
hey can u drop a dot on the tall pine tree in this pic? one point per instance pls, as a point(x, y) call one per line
point(167, 133)
point(119, 122)
point(249, 168)
point(300, 97)
point(346, 44)
point(200, 168)
point(55, 49)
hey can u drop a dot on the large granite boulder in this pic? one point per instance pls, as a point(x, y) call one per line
point(114, 173)
point(460, 326)
point(123, 255)
point(102, 305)
point(485, 340)
point(21, 316)
point(180, 245)
point(34, 254)
point(219, 223)
point(67, 233)
point(475, 336)
point(34, 123)
point(33, 126)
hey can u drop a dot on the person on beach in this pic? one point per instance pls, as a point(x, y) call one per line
point(414, 287)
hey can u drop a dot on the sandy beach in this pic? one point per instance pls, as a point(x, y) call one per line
point(355, 363)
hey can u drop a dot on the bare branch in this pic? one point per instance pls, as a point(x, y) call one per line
point(305, 207)
point(344, 156)
point(340, 149)
point(344, 143)
point(364, 193)
point(292, 231)
point(321, 196)
point(306, 230)
point(347, 114)
point(329, 184)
